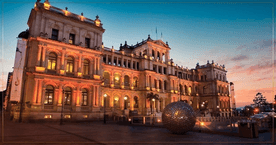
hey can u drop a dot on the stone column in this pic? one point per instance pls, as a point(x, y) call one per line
point(63, 60)
point(39, 55)
point(93, 96)
point(162, 85)
point(131, 63)
point(157, 84)
point(95, 66)
point(122, 81)
point(74, 97)
point(56, 96)
point(90, 97)
point(91, 68)
point(106, 60)
point(75, 66)
point(111, 78)
point(60, 94)
point(78, 96)
point(80, 64)
point(39, 93)
point(97, 96)
point(43, 56)
point(112, 59)
point(43, 97)
point(98, 66)
point(147, 80)
point(35, 91)
point(58, 64)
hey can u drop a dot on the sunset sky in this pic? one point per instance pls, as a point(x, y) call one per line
point(238, 35)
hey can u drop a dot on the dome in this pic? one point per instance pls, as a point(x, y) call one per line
point(24, 34)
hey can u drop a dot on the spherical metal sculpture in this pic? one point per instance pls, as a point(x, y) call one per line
point(178, 117)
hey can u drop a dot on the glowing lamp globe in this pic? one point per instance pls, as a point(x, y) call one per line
point(178, 117)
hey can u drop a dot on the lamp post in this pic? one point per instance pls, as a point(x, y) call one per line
point(104, 108)
point(61, 112)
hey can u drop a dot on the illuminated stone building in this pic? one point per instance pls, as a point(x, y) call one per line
point(69, 69)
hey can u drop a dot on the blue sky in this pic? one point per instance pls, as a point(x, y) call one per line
point(235, 34)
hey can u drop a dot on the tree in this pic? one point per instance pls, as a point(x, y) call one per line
point(259, 100)
point(152, 97)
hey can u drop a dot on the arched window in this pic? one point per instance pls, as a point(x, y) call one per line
point(152, 53)
point(84, 97)
point(160, 84)
point(70, 65)
point(68, 96)
point(126, 80)
point(165, 85)
point(186, 90)
point(106, 78)
point(49, 95)
point(135, 82)
point(190, 90)
point(116, 102)
point(155, 83)
point(117, 80)
point(136, 103)
point(158, 55)
point(126, 102)
point(180, 89)
point(85, 67)
point(52, 61)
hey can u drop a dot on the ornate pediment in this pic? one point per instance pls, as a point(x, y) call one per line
point(160, 42)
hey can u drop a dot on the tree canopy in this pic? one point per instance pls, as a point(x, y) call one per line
point(259, 100)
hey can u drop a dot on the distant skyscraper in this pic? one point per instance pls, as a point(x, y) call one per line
point(233, 97)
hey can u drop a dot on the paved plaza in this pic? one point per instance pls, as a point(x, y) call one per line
point(111, 133)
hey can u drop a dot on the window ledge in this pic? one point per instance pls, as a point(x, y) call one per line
point(39, 69)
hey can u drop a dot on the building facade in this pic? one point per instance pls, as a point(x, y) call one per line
point(68, 69)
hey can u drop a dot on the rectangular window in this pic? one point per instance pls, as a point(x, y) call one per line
point(160, 69)
point(115, 61)
point(54, 34)
point(154, 68)
point(119, 62)
point(87, 42)
point(165, 70)
point(128, 64)
point(72, 38)
point(137, 65)
point(109, 60)
point(124, 65)
point(104, 58)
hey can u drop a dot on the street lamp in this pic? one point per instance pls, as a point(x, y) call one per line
point(104, 108)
